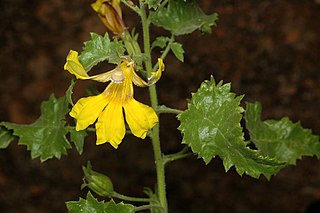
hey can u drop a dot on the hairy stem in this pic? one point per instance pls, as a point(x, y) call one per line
point(184, 153)
point(168, 47)
point(145, 207)
point(164, 109)
point(128, 198)
point(161, 185)
point(130, 5)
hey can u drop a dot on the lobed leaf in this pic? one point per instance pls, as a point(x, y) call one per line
point(183, 17)
point(92, 205)
point(88, 205)
point(46, 137)
point(77, 137)
point(100, 48)
point(177, 50)
point(160, 41)
point(211, 127)
point(119, 207)
point(6, 137)
point(283, 140)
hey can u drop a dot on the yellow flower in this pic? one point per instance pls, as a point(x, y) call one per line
point(109, 11)
point(108, 107)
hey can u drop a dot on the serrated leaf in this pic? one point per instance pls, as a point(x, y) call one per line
point(88, 205)
point(77, 137)
point(283, 140)
point(6, 137)
point(160, 41)
point(177, 50)
point(46, 137)
point(211, 127)
point(113, 207)
point(183, 17)
point(92, 205)
point(101, 48)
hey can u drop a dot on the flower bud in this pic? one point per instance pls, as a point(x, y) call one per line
point(97, 182)
point(109, 11)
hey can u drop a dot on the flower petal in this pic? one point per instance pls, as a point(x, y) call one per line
point(137, 80)
point(74, 66)
point(155, 76)
point(110, 126)
point(139, 117)
point(87, 110)
point(109, 11)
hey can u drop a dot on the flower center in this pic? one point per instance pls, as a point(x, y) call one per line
point(117, 76)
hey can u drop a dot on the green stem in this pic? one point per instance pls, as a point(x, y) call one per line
point(165, 52)
point(145, 207)
point(131, 6)
point(164, 109)
point(163, 4)
point(161, 185)
point(128, 198)
point(168, 47)
point(184, 153)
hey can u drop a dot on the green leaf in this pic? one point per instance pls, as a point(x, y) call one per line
point(283, 140)
point(183, 17)
point(113, 207)
point(99, 49)
point(160, 41)
point(211, 127)
point(6, 137)
point(46, 137)
point(77, 137)
point(92, 205)
point(177, 50)
point(69, 92)
point(88, 205)
point(153, 3)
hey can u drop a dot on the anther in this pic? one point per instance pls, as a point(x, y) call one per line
point(117, 76)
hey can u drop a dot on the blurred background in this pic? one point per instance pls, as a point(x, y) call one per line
point(269, 50)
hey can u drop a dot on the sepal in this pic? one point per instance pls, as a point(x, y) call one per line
point(97, 182)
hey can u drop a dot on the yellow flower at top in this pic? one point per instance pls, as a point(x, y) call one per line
point(117, 99)
point(109, 11)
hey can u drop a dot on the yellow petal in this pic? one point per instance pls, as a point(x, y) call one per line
point(87, 110)
point(137, 80)
point(110, 125)
point(74, 66)
point(116, 6)
point(155, 76)
point(139, 117)
point(109, 11)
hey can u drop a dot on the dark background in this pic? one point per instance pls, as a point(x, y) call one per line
point(269, 50)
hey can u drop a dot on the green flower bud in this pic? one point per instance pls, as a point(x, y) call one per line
point(97, 182)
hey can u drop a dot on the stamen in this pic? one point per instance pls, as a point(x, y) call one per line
point(117, 76)
point(130, 63)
